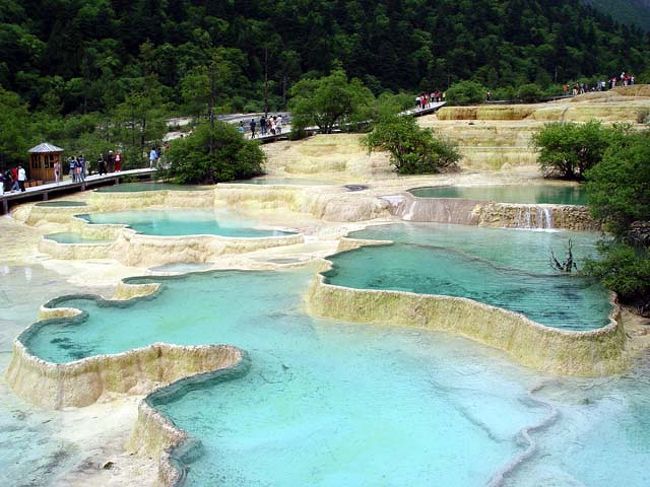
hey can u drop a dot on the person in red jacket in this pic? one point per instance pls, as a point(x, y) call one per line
point(118, 161)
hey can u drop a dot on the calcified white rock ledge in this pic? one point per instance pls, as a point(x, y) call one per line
point(582, 353)
point(493, 214)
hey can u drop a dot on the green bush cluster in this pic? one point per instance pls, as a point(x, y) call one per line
point(214, 154)
point(465, 93)
point(413, 150)
point(618, 190)
point(568, 150)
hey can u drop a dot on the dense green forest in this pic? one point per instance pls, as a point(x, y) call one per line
point(88, 55)
point(633, 12)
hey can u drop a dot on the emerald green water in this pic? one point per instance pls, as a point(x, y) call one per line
point(144, 187)
point(331, 403)
point(506, 268)
point(184, 222)
point(73, 238)
point(533, 194)
point(61, 204)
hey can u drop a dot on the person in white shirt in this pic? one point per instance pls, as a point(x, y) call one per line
point(22, 177)
point(153, 155)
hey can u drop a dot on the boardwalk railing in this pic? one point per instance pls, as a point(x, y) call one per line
point(44, 191)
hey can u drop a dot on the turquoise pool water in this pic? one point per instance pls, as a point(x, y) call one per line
point(502, 267)
point(533, 194)
point(284, 181)
point(61, 204)
point(184, 222)
point(73, 238)
point(33, 449)
point(143, 187)
point(330, 403)
point(321, 405)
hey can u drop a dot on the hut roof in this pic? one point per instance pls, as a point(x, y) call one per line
point(45, 147)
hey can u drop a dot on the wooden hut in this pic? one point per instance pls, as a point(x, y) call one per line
point(42, 159)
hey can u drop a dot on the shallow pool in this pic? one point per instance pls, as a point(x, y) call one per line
point(507, 268)
point(61, 204)
point(331, 403)
point(532, 194)
point(144, 187)
point(283, 181)
point(73, 238)
point(33, 450)
point(322, 404)
point(184, 222)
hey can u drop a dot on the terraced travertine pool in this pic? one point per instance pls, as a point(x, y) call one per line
point(184, 222)
point(73, 238)
point(146, 187)
point(324, 403)
point(331, 403)
point(527, 193)
point(507, 268)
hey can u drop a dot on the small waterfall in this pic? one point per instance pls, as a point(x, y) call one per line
point(534, 216)
point(441, 210)
point(547, 217)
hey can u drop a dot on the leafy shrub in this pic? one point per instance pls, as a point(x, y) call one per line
point(329, 102)
point(211, 155)
point(504, 93)
point(618, 195)
point(618, 187)
point(568, 150)
point(625, 270)
point(465, 93)
point(413, 150)
point(530, 93)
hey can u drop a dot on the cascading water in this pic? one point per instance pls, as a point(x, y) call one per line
point(534, 216)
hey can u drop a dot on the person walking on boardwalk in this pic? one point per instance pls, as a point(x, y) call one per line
point(101, 164)
point(110, 161)
point(278, 125)
point(253, 125)
point(57, 172)
point(13, 179)
point(262, 125)
point(118, 161)
point(22, 177)
point(82, 167)
point(72, 163)
point(153, 155)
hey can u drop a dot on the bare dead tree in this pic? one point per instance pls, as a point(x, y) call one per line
point(566, 265)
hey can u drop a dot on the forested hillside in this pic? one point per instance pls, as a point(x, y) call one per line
point(88, 55)
point(633, 12)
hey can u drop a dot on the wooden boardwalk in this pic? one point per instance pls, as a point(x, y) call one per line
point(45, 191)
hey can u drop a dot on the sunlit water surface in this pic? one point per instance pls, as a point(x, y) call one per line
point(31, 453)
point(531, 194)
point(328, 403)
point(184, 222)
point(507, 268)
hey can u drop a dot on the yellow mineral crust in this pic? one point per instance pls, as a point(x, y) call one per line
point(589, 353)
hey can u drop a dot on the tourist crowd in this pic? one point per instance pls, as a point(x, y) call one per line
point(13, 180)
point(266, 125)
point(625, 79)
point(426, 100)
